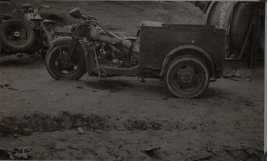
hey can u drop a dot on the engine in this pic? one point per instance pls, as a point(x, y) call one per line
point(108, 52)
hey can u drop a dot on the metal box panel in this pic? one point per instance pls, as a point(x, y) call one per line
point(157, 42)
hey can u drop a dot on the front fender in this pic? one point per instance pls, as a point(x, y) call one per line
point(61, 40)
point(66, 41)
point(174, 51)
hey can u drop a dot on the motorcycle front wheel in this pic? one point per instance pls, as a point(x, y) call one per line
point(58, 67)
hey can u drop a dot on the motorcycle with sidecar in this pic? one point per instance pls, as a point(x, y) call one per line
point(186, 57)
point(23, 30)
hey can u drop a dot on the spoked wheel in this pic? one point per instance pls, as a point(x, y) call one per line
point(17, 35)
point(61, 62)
point(59, 68)
point(187, 76)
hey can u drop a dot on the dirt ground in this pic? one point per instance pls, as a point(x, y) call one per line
point(120, 118)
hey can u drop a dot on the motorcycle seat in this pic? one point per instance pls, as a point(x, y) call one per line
point(131, 38)
point(50, 21)
point(120, 35)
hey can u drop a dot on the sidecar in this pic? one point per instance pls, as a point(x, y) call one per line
point(187, 57)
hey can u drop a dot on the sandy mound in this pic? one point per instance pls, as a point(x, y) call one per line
point(119, 15)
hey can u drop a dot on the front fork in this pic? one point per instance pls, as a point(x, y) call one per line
point(87, 56)
point(91, 58)
point(80, 30)
point(88, 48)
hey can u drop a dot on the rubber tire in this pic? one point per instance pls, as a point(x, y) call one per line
point(50, 61)
point(191, 60)
point(240, 23)
point(25, 46)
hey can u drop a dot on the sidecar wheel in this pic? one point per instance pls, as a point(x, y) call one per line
point(16, 35)
point(58, 68)
point(187, 76)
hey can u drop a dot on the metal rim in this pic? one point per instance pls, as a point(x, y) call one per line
point(60, 61)
point(16, 34)
point(187, 77)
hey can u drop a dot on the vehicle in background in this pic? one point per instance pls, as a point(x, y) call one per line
point(245, 25)
point(23, 30)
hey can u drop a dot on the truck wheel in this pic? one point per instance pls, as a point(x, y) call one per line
point(187, 76)
point(16, 35)
point(58, 68)
point(240, 23)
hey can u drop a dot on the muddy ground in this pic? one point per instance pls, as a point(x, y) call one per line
point(121, 116)
point(118, 118)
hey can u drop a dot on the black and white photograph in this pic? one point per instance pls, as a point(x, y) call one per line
point(133, 80)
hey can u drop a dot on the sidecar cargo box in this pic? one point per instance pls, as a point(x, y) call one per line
point(157, 40)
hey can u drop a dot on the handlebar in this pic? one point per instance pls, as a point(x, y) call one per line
point(104, 29)
point(86, 17)
point(76, 13)
point(47, 7)
point(30, 9)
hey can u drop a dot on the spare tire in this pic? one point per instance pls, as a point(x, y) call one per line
point(240, 23)
point(16, 35)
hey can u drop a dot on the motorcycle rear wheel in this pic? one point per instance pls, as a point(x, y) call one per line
point(58, 67)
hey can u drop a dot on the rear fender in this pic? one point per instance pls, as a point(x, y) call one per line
point(177, 52)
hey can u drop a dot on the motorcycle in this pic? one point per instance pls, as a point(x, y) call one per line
point(66, 60)
point(31, 34)
point(175, 53)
